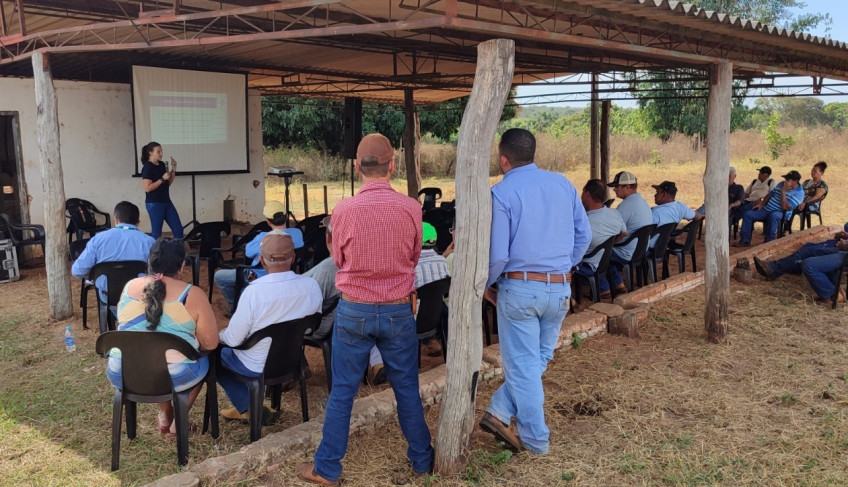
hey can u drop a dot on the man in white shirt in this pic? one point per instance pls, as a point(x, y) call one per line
point(280, 295)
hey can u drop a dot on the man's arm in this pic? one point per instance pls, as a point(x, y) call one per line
point(582, 230)
point(239, 328)
point(87, 259)
point(499, 245)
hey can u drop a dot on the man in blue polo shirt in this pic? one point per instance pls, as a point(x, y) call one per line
point(771, 208)
point(668, 210)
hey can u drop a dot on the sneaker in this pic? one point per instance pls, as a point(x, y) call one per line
point(764, 268)
point(376, 375)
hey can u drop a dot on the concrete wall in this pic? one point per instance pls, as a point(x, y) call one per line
point(98, 154)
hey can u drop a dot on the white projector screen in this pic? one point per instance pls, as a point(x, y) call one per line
point(199, 118)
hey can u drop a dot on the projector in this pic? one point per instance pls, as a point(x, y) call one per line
point(284, 171)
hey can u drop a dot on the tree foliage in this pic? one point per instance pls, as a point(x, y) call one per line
point(776, 144)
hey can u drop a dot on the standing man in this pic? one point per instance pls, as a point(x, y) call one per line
point(376, 243)
point(539, 231)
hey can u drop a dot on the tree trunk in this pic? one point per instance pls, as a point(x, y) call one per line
point(717, 275)
point(606, 106)
point(493, 79)
point(56, 246)
point(413, 173)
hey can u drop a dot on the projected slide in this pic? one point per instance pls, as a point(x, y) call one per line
point(200, 118)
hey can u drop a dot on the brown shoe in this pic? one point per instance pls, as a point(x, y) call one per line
point(433, 348)
point(376, 375)
point(501, 432)
point(306, 472)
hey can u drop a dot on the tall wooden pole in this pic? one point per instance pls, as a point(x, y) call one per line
point(717, 280)
point(413, 174)
point(493, 79)
point(594, 166)
point(52, 183)
point(606, 106)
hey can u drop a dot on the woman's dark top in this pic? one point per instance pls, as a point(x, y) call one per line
point(154, 173)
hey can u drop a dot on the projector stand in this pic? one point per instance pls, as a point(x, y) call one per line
point(193, 221)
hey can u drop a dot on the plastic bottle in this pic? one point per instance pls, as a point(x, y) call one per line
point(70, 342)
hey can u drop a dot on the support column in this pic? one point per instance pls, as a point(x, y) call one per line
point(492, 82)
point(606, 106)
point(716, 243)
point(52, 183)
point(413, 172)
point(594, 159)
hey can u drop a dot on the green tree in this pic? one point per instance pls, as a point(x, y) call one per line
point(776, 144)
point(800, 111)
point(837, 115)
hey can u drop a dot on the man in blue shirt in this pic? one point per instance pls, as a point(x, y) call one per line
point(636, 214)
point(539, 231)
point(275, 213)
point(668, 210)
point(772, 208)
point(123, 242)
point(604, 222)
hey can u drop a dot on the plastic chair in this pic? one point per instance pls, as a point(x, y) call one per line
point(326, 346)
point(637, 269)
point(805, 215)
point(83, 218)
point(148, 381)
point(430, 197)
point(838, 281)
point(688, 246)
point(594, 281)
point(314, 241)
point(282, 365)
point(16, 231)
point(428, 323)
point(118, 274)
point(217, 260)
point(209, 236)
point(658, 253)
point(490, 321)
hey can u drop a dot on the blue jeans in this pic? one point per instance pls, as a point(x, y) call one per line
point(770, 220)
point(184, 375)
point(791, 264)
point(164, 212)
point(530, 316)
point(358, 327)
point(613, 272)
point(236, 390)
point(821, 272)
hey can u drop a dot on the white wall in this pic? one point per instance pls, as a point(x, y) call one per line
point(98, 154)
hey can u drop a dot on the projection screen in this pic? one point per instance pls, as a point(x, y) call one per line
point(199, 118)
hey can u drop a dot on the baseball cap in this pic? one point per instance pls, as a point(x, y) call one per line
point(667, 186)
point(623, 178)
point(793, 174)
point(277, 246)
point(272, 208)
point(766, 170)
point(429, 236)
point(377, 146)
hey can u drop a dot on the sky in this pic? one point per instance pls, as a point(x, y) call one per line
point(838, 10)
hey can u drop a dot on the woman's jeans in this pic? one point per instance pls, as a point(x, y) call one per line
point(164, 212)
point(358, 327)
point(530, 316)
point(184, 375)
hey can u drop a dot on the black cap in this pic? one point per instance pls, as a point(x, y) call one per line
point(667, 186)
point(793, 174)
point(766, 170)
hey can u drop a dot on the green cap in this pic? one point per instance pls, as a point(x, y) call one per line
point(429, 235)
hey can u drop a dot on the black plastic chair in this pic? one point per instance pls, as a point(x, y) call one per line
point(84, 217)
point(687, 247)
point(428, 323)
point(283, 364)
point(16, 233)
point(838, 281)
point(208, 235)
point(490, 321)
point(314, 241)
point(636, 271)
point(148, 381)
point(217, 260)
point(118, 274)
point(430, 197)
point(658, 253)
point(594, 281)
point(806, 215)
point(326, 346)
point(608, 203)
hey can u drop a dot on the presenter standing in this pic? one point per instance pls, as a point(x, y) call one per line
point(157, 179)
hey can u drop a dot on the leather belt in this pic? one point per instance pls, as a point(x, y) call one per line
point(538, 276)
point(349, 299)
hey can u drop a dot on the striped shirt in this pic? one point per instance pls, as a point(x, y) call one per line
point(431, 267)
point(376, 243)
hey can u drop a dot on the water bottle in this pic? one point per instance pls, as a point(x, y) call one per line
point(70, 343)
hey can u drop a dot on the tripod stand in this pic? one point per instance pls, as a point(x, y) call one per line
point(287, 176)
point(193, 221)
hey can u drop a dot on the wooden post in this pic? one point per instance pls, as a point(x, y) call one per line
point(305, 202)
point(493, 79)
point(326, 208)
point(594, 168)
point(52, 183)
point(413, 173)
point(717, 275)
point(606, 106)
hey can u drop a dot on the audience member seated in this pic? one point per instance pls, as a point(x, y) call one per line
point(772, 208)
point(636, 213)
point(667, 209)
point(279, 295)
point(325, 274)
point(605, 223)
point(735, 194)
point(275, 213)
point(431, 267)
point(759, 187)
point(162, 302)
point(819, 262)
point(815, 189)
point(123, 242)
